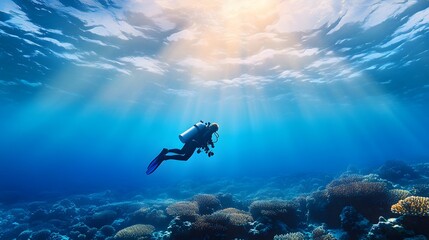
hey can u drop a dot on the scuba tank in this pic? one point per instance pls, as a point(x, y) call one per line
point(192, 132)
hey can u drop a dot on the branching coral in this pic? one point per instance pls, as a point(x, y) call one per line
point(368, 195)
point(183, 209)
point(290, 236)
point(135, 232)
point(234, 216)
point(413, 205)
point(320, 233)
point(368, 198)
point(227, 223)
point(357, 189)
point(346, 179)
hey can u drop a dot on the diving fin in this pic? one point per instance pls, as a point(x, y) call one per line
point(153, 165)
point(156, 162)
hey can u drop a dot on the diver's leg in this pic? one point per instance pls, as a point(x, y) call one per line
point(176, 150)
point(176, 157)
point(184, 149)
point(183, 154)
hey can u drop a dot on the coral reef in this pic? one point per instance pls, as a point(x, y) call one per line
point(135, 232)
point(413, 206)
point(353, 207)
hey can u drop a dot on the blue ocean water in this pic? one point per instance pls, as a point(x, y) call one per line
point(92, 90)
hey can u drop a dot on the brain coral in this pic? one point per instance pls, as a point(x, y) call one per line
point(183, 209)
point(413, 205)
point(135, 232)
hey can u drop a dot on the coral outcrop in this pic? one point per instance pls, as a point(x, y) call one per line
point(276, 210)
point(207, 203)
point(367, 194)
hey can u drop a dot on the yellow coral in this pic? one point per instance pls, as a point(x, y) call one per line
point(413, 205)
point(135, 232)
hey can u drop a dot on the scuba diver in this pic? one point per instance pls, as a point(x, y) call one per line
point(198, 137)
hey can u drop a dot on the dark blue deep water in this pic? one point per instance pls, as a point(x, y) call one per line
point(92, 90)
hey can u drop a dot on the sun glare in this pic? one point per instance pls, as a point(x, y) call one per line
point(217, 33)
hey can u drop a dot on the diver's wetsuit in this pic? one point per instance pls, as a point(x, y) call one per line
point(201, 140)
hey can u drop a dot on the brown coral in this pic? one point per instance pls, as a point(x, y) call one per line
point(285, 211)
point(207, 203)
point(234, 216)
point(413, 205)
point(346, 179)
point(368, 198)
point(183, 209)
point(135, 232)
point(357, 189)
point(227, 223)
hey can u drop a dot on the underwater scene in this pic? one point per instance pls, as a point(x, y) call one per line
point(222, 119)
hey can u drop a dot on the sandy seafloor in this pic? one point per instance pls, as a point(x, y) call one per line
point(356, 204)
